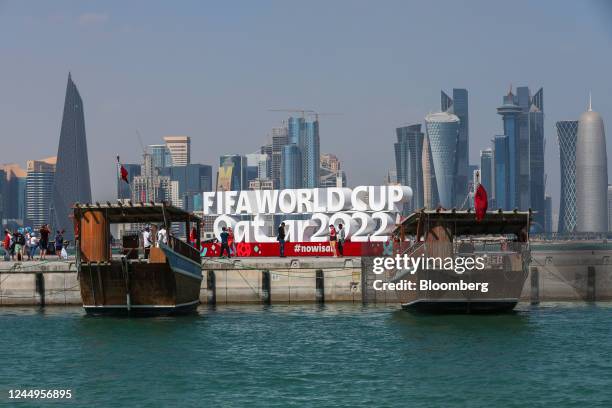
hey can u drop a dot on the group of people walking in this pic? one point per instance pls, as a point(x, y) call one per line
point(23, 244)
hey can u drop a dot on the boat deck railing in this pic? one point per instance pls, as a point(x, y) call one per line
point(184, 249)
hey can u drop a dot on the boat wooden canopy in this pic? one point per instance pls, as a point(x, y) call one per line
point(138, 213)
point(463, 222)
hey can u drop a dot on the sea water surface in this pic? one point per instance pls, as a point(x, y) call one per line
point(553, 355)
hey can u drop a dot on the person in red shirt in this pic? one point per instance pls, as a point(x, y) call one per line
point(7, 242)
point(230, 241)
point(333, 238)
point(193, 238)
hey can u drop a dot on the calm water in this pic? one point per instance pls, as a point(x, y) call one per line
point(557, 355)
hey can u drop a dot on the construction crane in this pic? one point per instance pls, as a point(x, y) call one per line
point(302, 111)
point(306, 112)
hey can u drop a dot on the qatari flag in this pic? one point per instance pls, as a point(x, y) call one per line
point(480, 202)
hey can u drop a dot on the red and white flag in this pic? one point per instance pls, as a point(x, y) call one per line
point(480, 202)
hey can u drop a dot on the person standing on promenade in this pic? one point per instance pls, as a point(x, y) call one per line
point(231, 244)
point(59, 243)
point(162, 235)
point(6, 243)
point(341, 239)
point(224, 246)
point(33, 245)
point(28, 241)
point(44, 241)
point(281, 239)
point(193, 237)
point(19, 244)
point(332, 239)
point(146, 241)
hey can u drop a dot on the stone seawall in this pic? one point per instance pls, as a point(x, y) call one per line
point(574, 271)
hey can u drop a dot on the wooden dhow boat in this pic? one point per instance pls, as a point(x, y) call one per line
point(498, 245)
point(165, 280)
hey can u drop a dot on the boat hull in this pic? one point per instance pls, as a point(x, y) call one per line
point(147, 288)
point(504, 284)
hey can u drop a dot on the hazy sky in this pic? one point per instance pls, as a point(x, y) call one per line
point(211, 70)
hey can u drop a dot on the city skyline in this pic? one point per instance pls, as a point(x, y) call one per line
point(356, 137)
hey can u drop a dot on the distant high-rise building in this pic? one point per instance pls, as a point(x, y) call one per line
point(180, 149)
point(124, 189)
point(231, 175)
point(500, 166)
point(409, 162)
point(295, 130)
point(510, 113)
point(72, 183)
point(310, 147)
point(609, 208)
point(291, 174)
point(591, 174)
point(13, 191)
point(430, 187)
point(536, 159)
point(331, 175)
point(39, 190)
point(160, 153)
point(442, 131)
point(458, 105)
point(191, 179)
point(486, 171)
point(567, 134)
point(523, 122)
point(279, 139)
point(548, 218)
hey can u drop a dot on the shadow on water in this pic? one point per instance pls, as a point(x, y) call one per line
point(515, 322)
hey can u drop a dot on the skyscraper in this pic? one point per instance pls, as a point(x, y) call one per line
point(442, 131)
point(510, 112)
point(500, 166)
point(409, 162)
point(430, 188)
point(231, 176)
point(291, 174)
point(39, 190)
point(567, 134)
point(609, 208)
point(536, 167)
point(161, 155)
point(310, 147)
point(523, 123)
point(180, 149)
point(279, 139)
point(458, 105)
point(486, 172)
point(591, 174)
point(331, 172)
point(13, 191)
point(72, 184)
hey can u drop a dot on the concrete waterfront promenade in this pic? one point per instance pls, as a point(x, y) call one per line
point(559, 271)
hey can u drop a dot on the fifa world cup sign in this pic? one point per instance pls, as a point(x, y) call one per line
point(368, 213)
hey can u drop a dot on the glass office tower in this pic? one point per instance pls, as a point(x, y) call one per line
point(442, 132)
point(409, 162)
point(567, 133)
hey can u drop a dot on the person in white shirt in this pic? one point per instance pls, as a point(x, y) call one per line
point(146, 241)
point(162, 235)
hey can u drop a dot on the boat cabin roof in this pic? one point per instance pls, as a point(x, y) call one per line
point(463, 222)
point(137, 213)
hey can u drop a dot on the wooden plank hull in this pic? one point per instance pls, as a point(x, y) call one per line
point(148, 288)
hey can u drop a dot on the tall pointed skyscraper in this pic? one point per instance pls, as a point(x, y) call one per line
point(591, 174)
point(72, 172)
